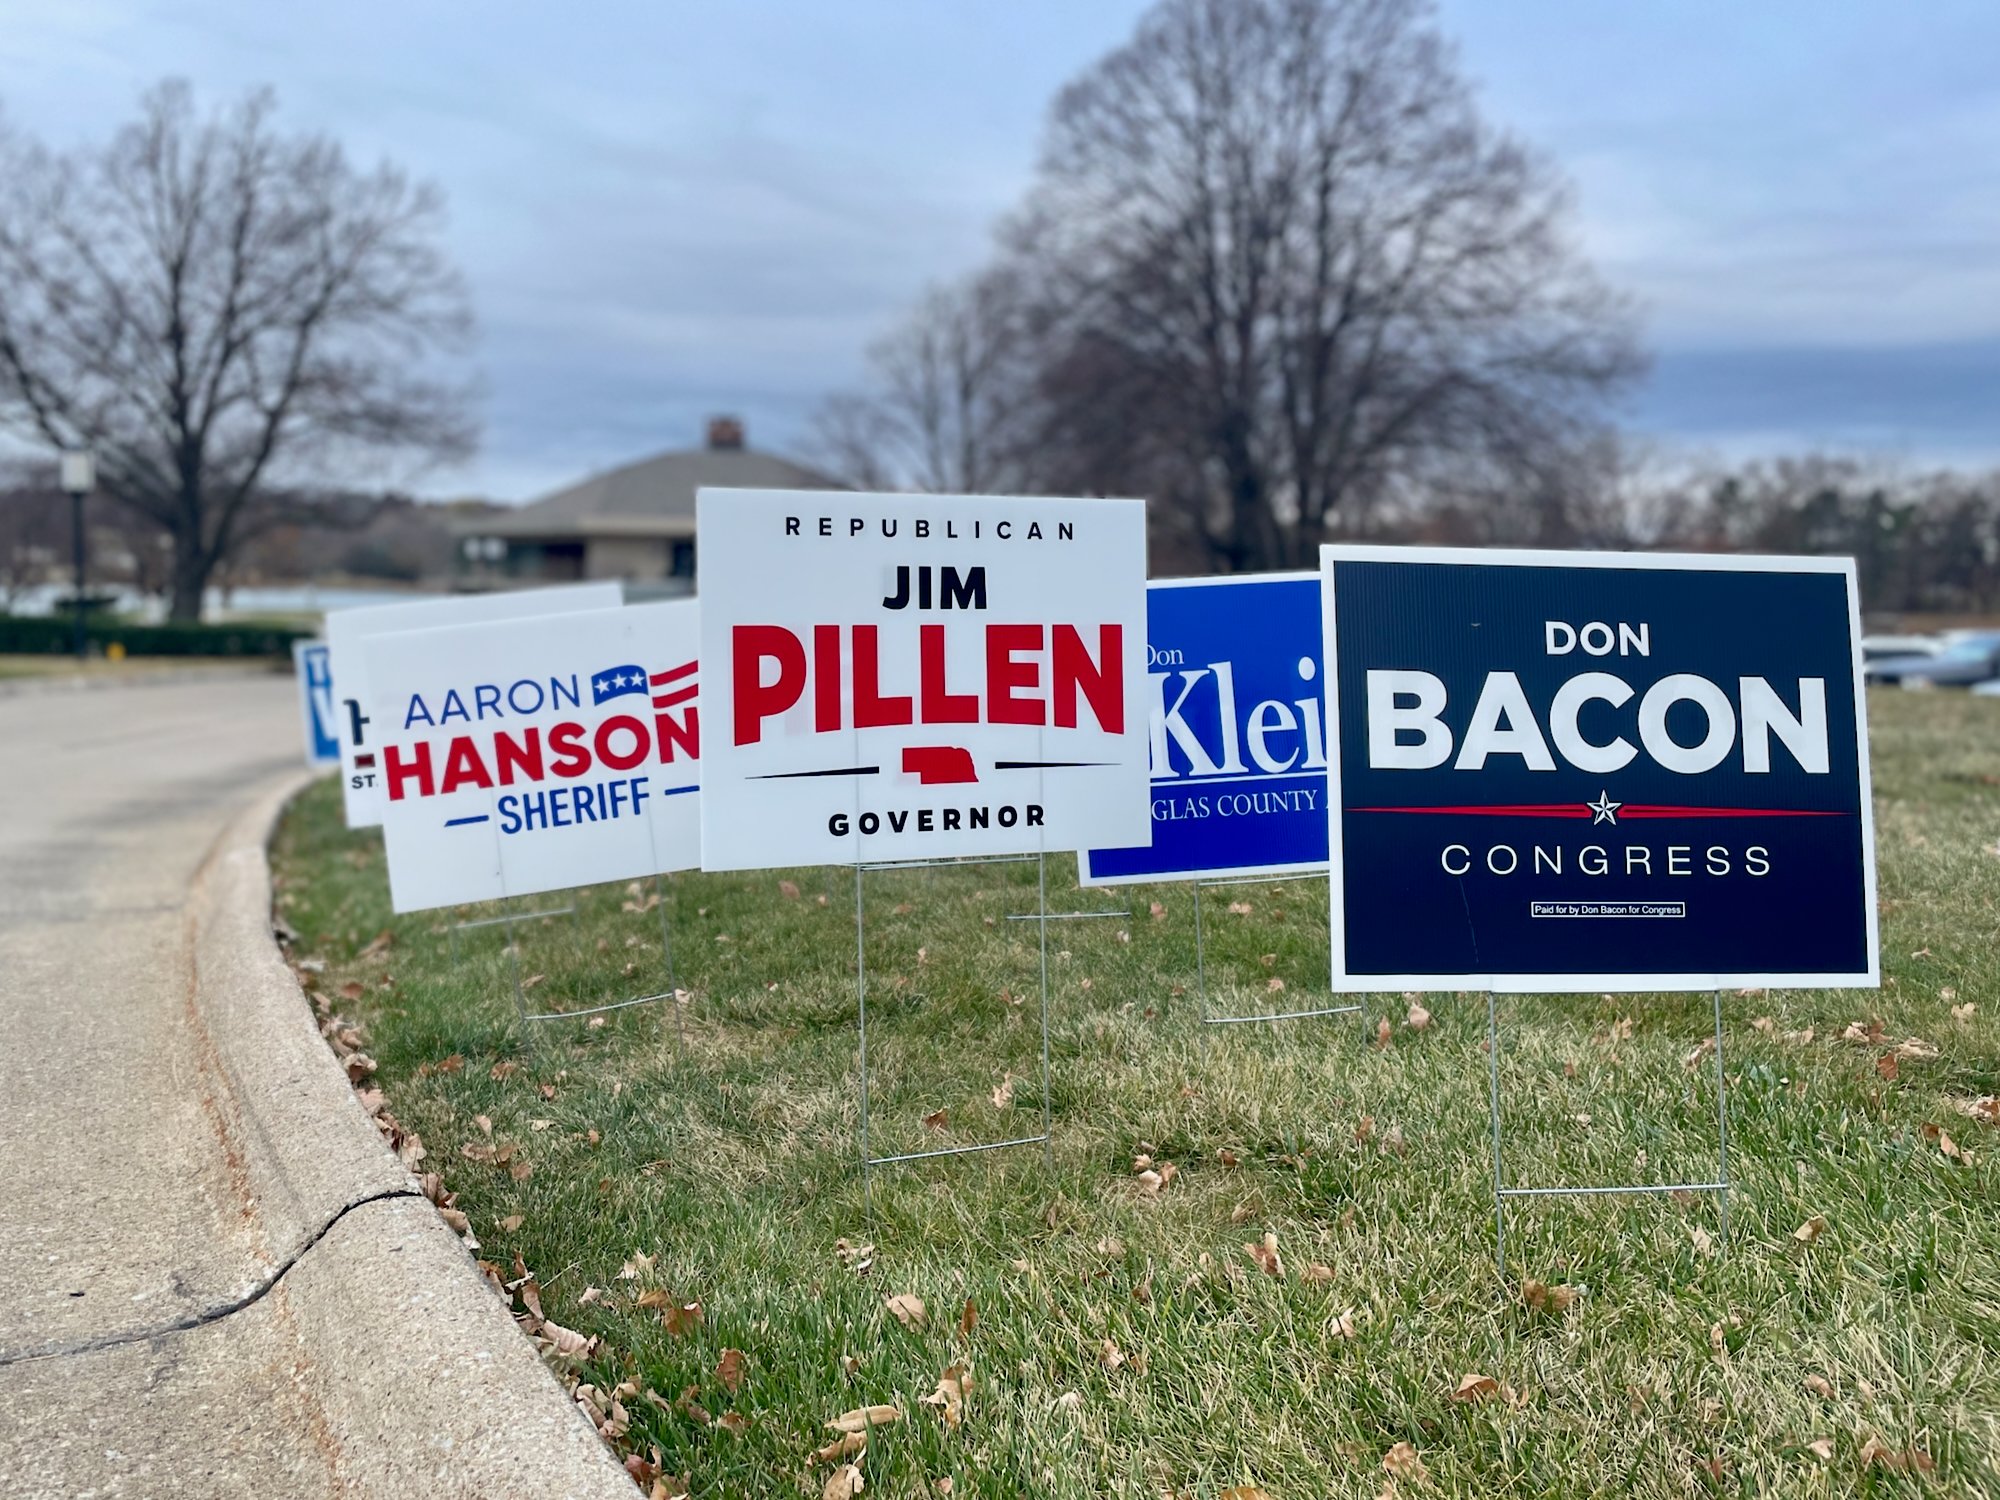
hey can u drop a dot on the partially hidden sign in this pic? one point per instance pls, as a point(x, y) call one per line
point(903, 677)
point(537, 755)
point(313, 664)
point(1597, 771)
point(346, 629)
point(1235, 732)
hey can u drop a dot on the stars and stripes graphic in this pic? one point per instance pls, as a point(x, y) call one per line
point(674, 686)
point(616, 682)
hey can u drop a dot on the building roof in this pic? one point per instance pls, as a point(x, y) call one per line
point(653, 497)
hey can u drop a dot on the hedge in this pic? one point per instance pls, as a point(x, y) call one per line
point(39, 636)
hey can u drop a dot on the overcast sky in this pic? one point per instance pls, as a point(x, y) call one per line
point(668, 209)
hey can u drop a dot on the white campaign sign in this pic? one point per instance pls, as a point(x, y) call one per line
point(346, 629)
point(537, 755)
point(902, 676)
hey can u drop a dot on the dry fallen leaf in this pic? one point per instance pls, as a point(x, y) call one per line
point(937, 1119)
point(1821, 1449)
point(1419, 1018)
point(1384, 1033)
point(1264, 1256)
point(1246, 1492)
point(1003, 1092)
point(844, 1484)
point(1704, 1242)
point(682, 1317)
point(511, 1223)
point(864, 1417)
point(907, 1309)
point(1402, 1462)
point(1475, 1388)
point(638, 1265)
point(1811, 1230)
point(1820, 1386)
point(949, 1397)
point(1545, 1298)
point(1110, 1356)
point(1316, 1273)
point(1963, 1012)
point(1878, 1454)
point(731, 1370)
point(842, 1448)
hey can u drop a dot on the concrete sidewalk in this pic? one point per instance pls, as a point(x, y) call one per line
point(220, 1282)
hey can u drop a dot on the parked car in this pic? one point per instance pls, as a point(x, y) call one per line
point(1967, 657)
point(1876, 648)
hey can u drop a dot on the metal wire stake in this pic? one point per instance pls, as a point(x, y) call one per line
point(1200, 961)
point(1042, 905)
point(1721, 1125)
point(1499, 1197)
point(520, 1000)
point(667, 953)
point(861, 1005)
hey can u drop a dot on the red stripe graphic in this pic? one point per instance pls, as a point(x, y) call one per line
point(661, 679)
point(1519, 810)
point(681, 695)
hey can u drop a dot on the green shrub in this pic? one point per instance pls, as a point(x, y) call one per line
point(32, 636)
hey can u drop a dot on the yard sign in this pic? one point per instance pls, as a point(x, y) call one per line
point(312, 664)
point(1236, 732)
point(1597, 771)
point(346, 629)
point(901, 677)
point(538, 754)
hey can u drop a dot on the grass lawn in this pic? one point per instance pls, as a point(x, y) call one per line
point(1120, 1337)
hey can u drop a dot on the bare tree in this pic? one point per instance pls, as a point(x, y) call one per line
point(945, 410)
point(214, 308)
point(1279, 268)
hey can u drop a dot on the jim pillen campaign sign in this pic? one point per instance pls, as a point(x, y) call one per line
point(312, 663)
point(904, 676)
point(1596, 771)
point(346, 629)
point(1235, 732)
point(537, 754)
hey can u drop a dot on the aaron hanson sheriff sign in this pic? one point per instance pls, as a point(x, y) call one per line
point(1576, 771)
point(895, 676)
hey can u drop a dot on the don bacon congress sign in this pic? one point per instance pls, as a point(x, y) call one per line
point(1575, 771)
point(896, 676)
point(538, 754)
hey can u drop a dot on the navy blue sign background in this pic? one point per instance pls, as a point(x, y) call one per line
point(1514, 873)
point(1236, 664)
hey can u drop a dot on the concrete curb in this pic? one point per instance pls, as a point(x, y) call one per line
point(424, 1384)
point(30, 687)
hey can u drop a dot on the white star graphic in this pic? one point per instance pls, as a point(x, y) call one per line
point(1604, 810)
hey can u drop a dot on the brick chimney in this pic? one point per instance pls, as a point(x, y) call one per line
point(725, 433)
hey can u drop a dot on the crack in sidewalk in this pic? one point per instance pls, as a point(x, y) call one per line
point(218, 1311)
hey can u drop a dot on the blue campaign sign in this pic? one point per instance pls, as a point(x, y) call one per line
point(1238, 747)
point(314, 666)
point(1597, 771)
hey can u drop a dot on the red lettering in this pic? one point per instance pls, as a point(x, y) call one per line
point(566, 739)
point(462, 765)
point(399, 770)
point(523, 757)
point(678, 735)
point(1102, 681)
point(1006, 676)
point(826, 677)
point(621, 760)
point(871, 709)
point(756, 701)
point(940, 706)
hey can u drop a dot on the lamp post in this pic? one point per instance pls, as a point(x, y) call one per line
point(79, 478)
